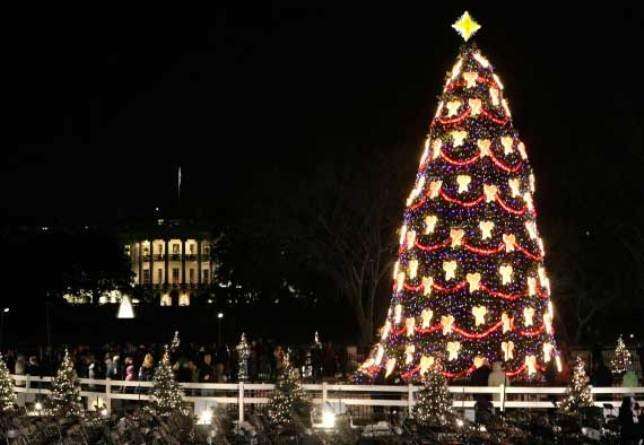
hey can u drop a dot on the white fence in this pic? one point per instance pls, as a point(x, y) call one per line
point(103, 392)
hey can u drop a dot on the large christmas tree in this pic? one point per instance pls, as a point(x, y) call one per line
point(470, 281)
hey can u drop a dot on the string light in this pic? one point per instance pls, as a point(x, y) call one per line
point(471, 259)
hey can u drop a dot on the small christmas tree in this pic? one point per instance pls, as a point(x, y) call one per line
point(578, 395)
point(8, 398)
point(243, 354)
point(621, 361)
point(434, 401)
point(65, 397)
point(166, 396)
point(288, 400)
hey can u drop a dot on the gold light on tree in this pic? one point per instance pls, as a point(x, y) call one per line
point(470, 282)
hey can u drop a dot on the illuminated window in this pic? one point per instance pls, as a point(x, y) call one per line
point(192, 249)
point(184, 300)
point(175, 249)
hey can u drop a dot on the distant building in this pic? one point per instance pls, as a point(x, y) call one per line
point(173, 259)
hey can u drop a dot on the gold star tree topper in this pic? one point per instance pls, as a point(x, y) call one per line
point(466, 26)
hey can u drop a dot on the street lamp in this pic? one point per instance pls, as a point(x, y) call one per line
point(2, 315)
point(220, 316)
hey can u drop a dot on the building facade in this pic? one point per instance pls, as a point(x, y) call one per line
point(173, 260)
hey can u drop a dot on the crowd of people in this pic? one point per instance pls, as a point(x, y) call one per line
point(191, 362)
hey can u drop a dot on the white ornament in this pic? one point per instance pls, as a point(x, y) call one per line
point(463, 182)
point(417, 190)
point(531, 182)
point(481, 60)
point(410, 324)
point(474, 281)
point(453, 348)
point(427, 315)
point(400, 281)
point(430, 223)
point(506, 322)
point(531, 364)
point(528, 316)
point(507, 142)
point(515, 187)
point(508, 350)
point(527, 197)
point(456, 69)
point(470, 78)
point(447, 323)
point(522, 152)
point(411, 239)
point(397, 313)
point(436, 148)
point(547, 352)
point(439, 109)
point(450, 269)
point(498, 81)
point(494, 96)
point(391, 364)
point(505, 270)
point(479, 315)
point(425, 364)
point(458, 136)
point(413, 268)
point(486, 229)
point(452, 107)
point(490, 192)
point(386, 329)
point(403, 234)
point(531, 227)
point(380, 352)
point(484, 147)
point(428, 282)
point(532, 286)
point(506, 107)
point(475, 106)
point(456, 235)
point(435, 188)
point(547, 321)
point(479, 361)
point(510, 241)
point(425, 154)
point(409, 354)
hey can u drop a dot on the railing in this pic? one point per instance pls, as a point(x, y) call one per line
point(351, 396)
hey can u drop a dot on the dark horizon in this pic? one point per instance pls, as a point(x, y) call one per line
point(102, 117)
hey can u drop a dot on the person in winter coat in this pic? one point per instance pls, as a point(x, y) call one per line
point(146, 371)
point(496, 378)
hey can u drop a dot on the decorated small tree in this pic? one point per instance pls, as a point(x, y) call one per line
point(578, 395)
point(166, 395)
point(288, 401)
point(243, 354)
point(434, 401)
point(65, 397)
point(621, 361)
point(8, 398)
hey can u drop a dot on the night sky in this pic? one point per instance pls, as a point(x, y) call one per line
point(101, 112)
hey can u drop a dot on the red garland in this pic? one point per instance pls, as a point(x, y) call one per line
point(477, 335)
point(509, 209)
point(481, 251)
point(460, 163)
point(448, 198)
point(503, 166)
